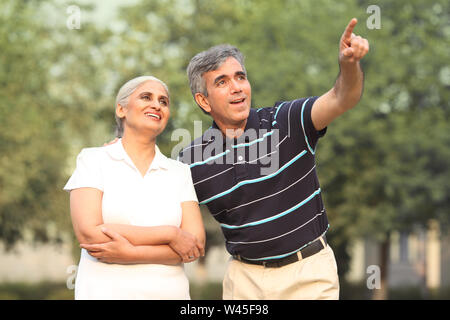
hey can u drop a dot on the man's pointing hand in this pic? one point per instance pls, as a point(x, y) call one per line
point(352, 48)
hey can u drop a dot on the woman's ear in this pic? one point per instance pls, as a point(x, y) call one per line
point(203, 102)
point(120, 111)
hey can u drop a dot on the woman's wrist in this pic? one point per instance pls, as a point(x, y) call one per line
point(172, 234)
point(161, 254)
point(135, 255)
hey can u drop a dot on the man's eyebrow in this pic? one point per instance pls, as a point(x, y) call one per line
point(237, 73)
point(219, 78)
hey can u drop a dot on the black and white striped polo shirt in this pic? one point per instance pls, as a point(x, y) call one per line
point(262, 187)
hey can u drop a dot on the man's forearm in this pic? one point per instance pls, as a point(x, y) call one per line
point(349, 86)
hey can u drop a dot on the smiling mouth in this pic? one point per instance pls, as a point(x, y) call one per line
point(152, 115)
point(237, 101)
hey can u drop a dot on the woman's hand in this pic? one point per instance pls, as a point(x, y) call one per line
point(187, 246)
point(118, 250)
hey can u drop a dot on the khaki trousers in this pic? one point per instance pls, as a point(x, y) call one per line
point(313, 278)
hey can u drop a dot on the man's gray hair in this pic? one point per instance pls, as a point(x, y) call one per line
point(210, 60)
point(126, 91)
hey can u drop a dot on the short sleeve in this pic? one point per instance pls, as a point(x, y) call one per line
point(296, 117)
point(188, 190)
point(87, 173)
point(310, 133)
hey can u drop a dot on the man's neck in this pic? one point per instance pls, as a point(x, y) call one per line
point(232, 131)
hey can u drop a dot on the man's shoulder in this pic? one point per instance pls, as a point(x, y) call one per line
point(272, 111)
point(283, 108)
point(261, 112)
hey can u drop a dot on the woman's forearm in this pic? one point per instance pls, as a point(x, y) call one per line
point(184, 247)
point(140, 236)
point(120, 250)
point(159, 254)
point(87, 220)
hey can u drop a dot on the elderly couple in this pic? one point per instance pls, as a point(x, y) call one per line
point(136, 213)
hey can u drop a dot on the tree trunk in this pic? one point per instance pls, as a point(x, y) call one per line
point(425, 294)
point(382, 293)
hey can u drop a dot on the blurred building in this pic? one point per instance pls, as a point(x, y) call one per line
point(418, 258)
point(28, 263)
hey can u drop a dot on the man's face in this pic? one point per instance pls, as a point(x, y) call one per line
point(229, 95)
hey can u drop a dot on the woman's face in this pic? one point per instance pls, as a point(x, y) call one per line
point(147, 110)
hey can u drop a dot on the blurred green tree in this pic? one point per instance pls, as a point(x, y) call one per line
point(385, 166)
point(50, 93)
point(32, 152)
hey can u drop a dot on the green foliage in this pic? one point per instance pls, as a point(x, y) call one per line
point(50, 97)
point(385, 164)
point(31, 149)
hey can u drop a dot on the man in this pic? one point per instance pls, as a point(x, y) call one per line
point(268, 199)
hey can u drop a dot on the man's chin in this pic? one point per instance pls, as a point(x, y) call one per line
point(241, 116)
point(242, 112)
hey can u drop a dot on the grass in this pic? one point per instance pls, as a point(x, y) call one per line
point(38, 291)
point(208, 291)
point(59, 291)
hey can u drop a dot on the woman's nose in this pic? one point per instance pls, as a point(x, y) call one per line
point(155, 105)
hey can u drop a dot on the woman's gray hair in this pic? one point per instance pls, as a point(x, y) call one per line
point(209, 60)
point(126, 91)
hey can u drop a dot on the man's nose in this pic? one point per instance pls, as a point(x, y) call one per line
point(235, 86)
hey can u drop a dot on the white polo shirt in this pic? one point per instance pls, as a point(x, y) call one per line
point(130, 198)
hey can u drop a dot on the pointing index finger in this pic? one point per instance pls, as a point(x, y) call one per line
point(349, 29)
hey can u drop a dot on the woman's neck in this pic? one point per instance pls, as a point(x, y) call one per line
point(141, 149)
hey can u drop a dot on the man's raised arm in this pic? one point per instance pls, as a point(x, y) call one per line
point(348, 88)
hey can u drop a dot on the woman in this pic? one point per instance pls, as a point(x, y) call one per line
point(134, 211)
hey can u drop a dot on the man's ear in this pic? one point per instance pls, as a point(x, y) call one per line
point(203, 102)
